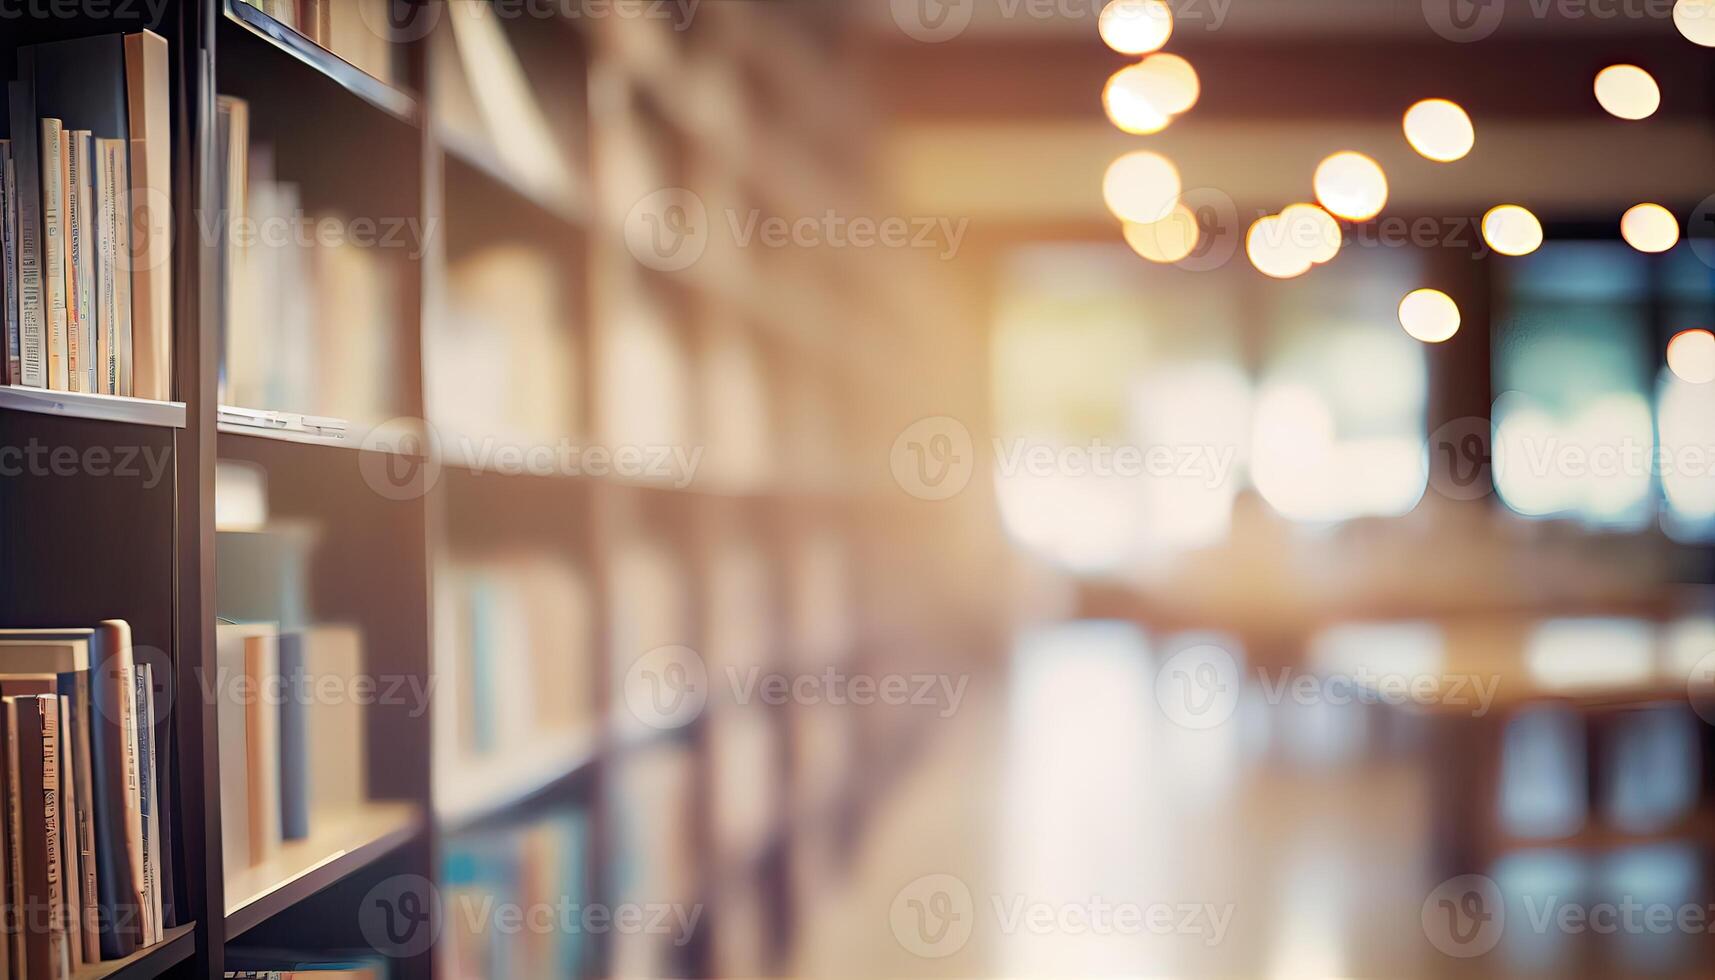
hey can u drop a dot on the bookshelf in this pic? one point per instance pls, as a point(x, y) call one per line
point(791, 550)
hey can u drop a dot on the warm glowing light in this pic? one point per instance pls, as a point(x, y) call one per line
point(1650, 228)
point(1351, 186)
point(1628, 92)
point(1172, 83)
point(1313, 230)
point(1128, 101)
point(1691, 356)
point(1440, 130)
point(1165, 241)
point(1141, 187)
point(1429, 315)
point(1512, 230)
point(1272, 251)
point(1136, 26)
point(1696, 20)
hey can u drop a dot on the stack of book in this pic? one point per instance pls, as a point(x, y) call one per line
point(355, 30)
point(312, 300)
point(86, 212)
point(87, 840)
point(514, 637)
point(538, 865)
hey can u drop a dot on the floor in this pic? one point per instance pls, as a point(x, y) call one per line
point(1061, 825)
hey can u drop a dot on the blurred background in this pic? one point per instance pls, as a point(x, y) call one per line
point(910, 498)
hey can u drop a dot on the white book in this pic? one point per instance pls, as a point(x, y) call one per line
point(80, 273)
point(53, 252)
point(116, 209)
point(27, 162)
point(9, 260)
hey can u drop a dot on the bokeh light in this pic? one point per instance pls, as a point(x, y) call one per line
point(1628, 92)
point(1439, 130)
point(1141, 187)
point(1166, 241)
point(1136, 26)
point(1312, 229)
point(1351, 186)
point(1691, 356)
point(1271, 249)
point(1650, 228)
point(1696, 20)
point(1130, 103)
point(1171, 82)
point(1429, 315)
point(1512, 230)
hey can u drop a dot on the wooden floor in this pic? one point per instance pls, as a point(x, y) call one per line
point(1280, 844)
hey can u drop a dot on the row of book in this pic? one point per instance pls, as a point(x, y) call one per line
point(87, 840)
point(356, 30)
point(86, 218)
point(291, 727)
point(310, 318)
point(514, 641)
point(268, 964)
point(540, 864)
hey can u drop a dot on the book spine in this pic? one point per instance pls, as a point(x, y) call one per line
point(41, 924)
point(76, 353)
point(134, 800)
point(294, 739)
point(262, 735)
point(26, 157)
point(74, 689)
point(120, 899)
point(53, 252)
point(82, 251)
point(71, 871)
point(14, 849)
point(108, 266)
point(144, 698)
point(148, 371)
point(120, 370)
point(9, 256)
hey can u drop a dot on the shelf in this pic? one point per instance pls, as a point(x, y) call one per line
point(400, 105)
point(346, 844)
point(152, 961)
point(105, 408)
point(285, 435)
point(486, 789)
point(565, 209)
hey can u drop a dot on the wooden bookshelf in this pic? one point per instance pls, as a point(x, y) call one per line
point(818, 347)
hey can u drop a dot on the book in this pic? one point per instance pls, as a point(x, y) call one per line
point(249, 810)
point(232, 142)
point(10, 860)
point(27, 159)
point(71, 875)
point(53, 252)
point(336, 746)
point(115, 247)
point(10, 365)
point(33, 730)
point(145, 700)
point(147, 80)
point(262, 740)
point(80, 262)
point(118, 823)
point(73, 688)
point(299, 689)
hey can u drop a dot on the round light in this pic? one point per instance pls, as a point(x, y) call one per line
point(1627, 91)
point(1512, 230)
point(1351, 186)
point(1129, 103)
point(1440, 130)
point(1141, 187)
point(1172, 83)
point(1429, 315)
point(1165, 241)
point(1691, 356)
point(1313, 231)
point(1696, 20)
point(1650, 228)
point(1136, 26)
point(1271, 250)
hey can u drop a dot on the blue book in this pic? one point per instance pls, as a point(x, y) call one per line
point(294, 740)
